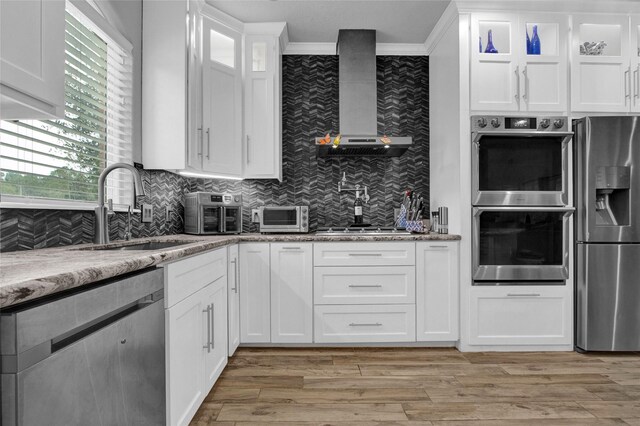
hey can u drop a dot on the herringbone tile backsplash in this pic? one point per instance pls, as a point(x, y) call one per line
point(310, 109)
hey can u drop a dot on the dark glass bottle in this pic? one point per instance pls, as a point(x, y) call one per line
point(357, 212)
point(490, 48)
point(528, 41)
point(535, 41)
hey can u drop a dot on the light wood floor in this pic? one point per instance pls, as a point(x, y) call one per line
point(418, 386)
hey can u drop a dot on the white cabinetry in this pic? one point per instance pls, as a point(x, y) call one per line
point(263, 105)
point(196, 331)
point(601, 83)
point(364, 292)
point(255, 293)
point(233, 292)
point(437, 290)
point(514, 79)
point(32, 58)
point(291, 293)
point(191, 90)
point(221, 128)
point(520, 315)
point(635, 63)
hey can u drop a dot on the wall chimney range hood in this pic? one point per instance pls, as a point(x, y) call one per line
point(358, 103)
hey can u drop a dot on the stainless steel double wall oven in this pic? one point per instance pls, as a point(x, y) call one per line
point(520, 198)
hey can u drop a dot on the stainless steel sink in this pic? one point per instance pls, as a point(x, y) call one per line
point(149, 245)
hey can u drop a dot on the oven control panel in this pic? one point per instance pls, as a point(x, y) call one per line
point(506, 124)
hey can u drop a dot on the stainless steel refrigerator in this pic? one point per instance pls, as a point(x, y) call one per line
point(607, 183)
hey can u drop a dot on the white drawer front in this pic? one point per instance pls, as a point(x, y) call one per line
point(343, 285)
point(364, 254)
point(186, 276)
point(521, 316)
point(365, 323)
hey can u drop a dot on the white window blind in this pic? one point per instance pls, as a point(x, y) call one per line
point(62, 159)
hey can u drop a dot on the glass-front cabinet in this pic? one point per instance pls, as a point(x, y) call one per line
point(519, 62)
point(601, 74)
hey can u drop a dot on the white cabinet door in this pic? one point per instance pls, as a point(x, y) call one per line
point(222, 100)
point(635, 63)
point(186, 342)
point(255, 293)
point(494, 76)
point(543, 77)
point(215, 357)
point(521, 315)
point(291, 293)
point(32, 58)
point(233, 297)
point(437, 287)
point(263, 145)
point(601, 83)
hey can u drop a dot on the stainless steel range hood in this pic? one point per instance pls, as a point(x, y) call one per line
point(358, 102)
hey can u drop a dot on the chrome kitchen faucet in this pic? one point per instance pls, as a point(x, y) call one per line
point(101, 228)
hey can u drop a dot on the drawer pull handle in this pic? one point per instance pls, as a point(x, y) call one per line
point(290, 248)
point(523, 294)
point(365, 254)
point(438, 246)
point(364, 285)
point(353, 324)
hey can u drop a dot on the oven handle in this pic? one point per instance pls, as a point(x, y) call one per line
point(477, 211)
point(478, 134)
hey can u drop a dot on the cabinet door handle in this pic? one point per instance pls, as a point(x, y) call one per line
point(627, 83)
point(200, 144)
point(364, 285)
point(636, 81)
point(526, 89)
point(208, 143)
point(523, 294)
point(248, 151)
point(375, 324)
point(365, 254)
point(517, 95)
point(213, 328)
point(208, 345)
point(235, 275)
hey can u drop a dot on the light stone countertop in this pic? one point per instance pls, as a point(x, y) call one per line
point(30, 274)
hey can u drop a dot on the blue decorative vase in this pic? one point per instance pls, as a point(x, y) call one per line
point(480, 44)
point(535, 41)
point(490, 48)
point(528, 41)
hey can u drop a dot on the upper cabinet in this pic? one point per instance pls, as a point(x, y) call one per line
point(193, 104)
point(262, 99)
point(32, 59)
point(604, 53)
point(519, 62)
point(220, 131)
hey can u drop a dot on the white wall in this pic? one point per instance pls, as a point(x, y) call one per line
point(126, 17)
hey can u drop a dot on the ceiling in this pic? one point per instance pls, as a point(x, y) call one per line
point(314, 21)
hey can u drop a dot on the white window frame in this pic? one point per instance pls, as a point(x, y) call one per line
point(84, 9)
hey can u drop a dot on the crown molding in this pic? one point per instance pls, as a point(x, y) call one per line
point(382, 49)
point(449, 16)
point(219, 16)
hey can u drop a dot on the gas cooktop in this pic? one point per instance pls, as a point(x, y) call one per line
point(372, 230)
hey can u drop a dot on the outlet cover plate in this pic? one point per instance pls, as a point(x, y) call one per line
point(147, 213)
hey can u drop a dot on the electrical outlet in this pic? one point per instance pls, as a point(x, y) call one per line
point(147, 213)
point(167, 213)
point(255, 215)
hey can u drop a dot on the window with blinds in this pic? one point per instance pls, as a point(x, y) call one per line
point(62, 159)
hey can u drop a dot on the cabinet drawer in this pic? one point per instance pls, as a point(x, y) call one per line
point(527, 315)
point(364, 254)
point(365, 323)
point(341, 285)
point(186, 276)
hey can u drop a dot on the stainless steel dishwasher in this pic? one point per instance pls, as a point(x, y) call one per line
point(89, 357)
